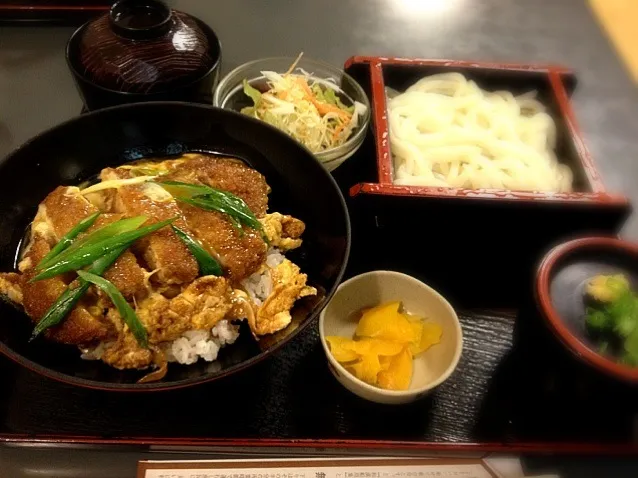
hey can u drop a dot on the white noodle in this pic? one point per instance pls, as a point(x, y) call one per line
point(446, 131)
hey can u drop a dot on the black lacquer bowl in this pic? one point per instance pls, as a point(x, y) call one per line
point(78, 149)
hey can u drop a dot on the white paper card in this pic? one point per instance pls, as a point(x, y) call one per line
point(434, 468)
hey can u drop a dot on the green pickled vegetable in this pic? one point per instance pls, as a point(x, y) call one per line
point(71, 296)
point(598, 320)
point(91, 252)
point(208, 265)
point(612, 319)
point(97, 236)
point(68, 238)
point(125, 310)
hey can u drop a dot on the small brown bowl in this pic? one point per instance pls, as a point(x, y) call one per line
point(141, 50)
point(560, 285)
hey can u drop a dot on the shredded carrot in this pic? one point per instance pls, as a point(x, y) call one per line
point(325, 108)
point(322, 108)
point(338, 130)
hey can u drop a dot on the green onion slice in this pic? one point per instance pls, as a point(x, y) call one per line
point(71, 296)
point(68, 238)
point(208, 265)
point(125, 310)
point(89, 253)
point(101, 234)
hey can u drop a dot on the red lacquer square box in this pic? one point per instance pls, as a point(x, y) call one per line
point(553, 84)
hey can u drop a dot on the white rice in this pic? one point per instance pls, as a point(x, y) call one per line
point(94, 353)
point(189, 348)
point(205, 344)
point(259, 285)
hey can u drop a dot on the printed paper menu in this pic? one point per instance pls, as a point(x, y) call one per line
point(323, 468)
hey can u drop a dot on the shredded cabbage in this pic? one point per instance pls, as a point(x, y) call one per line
point(305, 107)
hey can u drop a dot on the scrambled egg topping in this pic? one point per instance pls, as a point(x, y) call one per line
point(158, 275)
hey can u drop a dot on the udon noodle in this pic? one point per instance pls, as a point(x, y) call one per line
point(446, 131)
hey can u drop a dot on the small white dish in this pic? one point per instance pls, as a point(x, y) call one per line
point(431, 368)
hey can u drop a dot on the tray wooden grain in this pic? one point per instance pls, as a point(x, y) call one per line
point(508, 394)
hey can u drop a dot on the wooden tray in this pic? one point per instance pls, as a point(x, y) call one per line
point(515, 390)
point(51, 11)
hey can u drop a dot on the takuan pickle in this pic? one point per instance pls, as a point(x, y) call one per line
point(384, 346)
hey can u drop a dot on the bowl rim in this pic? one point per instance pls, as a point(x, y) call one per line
point(552, 317)
point(343, 149)
point(79, 75)
point(162, 386)
point(397, 393)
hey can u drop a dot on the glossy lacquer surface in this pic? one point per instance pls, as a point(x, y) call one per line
point(142, 50)
point(79, 149)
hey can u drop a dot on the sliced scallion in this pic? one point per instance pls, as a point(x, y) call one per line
point(71, 295)
point(91, 252)
point(125, 310)
point(99, 235)
point(208, 265)
point(212, 199)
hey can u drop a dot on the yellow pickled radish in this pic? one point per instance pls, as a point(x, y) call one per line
point(398, 375)
point(416, 331)
point(384, 346)
point(432, 333)
point(339, 349)
point(385, 362)
point(366, 369)
point(366, 346)
point(385, 322)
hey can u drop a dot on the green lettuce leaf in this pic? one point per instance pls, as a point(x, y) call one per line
point(318, 92)
point(332, 98)
point(252, 92)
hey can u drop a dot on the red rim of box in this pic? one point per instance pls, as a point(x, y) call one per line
point(384, 186)
point(404, 446)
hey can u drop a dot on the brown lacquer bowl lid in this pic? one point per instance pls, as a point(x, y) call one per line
point(143, 47)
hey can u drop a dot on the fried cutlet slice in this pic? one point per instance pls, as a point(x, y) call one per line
point(125, 273)
point(162, 250)
point(241, 252)
point(227, 174)
point(61, 210)
point(79, 327)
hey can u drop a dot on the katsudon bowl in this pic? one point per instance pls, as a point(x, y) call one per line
point(75, 152)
